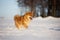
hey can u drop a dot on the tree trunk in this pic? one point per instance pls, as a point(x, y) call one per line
point(53, 7)
point(49, 7)
point(42, 14)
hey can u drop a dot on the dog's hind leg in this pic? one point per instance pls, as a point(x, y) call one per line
point(17, 25)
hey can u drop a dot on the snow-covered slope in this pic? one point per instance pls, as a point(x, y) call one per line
point(38, 29)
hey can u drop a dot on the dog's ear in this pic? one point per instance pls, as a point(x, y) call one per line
point(32, 13)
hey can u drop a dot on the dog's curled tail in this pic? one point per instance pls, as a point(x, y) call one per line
point(16, 17)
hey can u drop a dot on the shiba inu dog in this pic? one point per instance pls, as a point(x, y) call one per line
point(23, 20)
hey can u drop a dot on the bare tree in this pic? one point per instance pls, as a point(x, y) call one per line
point(32, 4)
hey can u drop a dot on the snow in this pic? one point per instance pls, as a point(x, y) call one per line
point(39, 29)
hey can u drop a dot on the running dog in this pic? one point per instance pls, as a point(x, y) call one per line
point(23, 20)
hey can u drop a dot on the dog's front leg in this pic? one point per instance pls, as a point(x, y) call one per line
point(25, 25)
point(17, 25)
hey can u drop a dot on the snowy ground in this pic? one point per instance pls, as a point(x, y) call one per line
point(39, 29)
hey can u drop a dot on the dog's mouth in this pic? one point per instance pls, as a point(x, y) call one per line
point(30, 18)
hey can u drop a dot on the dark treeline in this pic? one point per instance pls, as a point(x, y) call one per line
point(42, 8)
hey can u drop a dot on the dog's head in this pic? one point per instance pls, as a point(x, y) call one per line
point(29, 15)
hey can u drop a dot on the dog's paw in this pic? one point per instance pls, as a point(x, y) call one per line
point(25, 27)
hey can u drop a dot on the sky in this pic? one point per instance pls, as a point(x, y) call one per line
point(8, 8)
